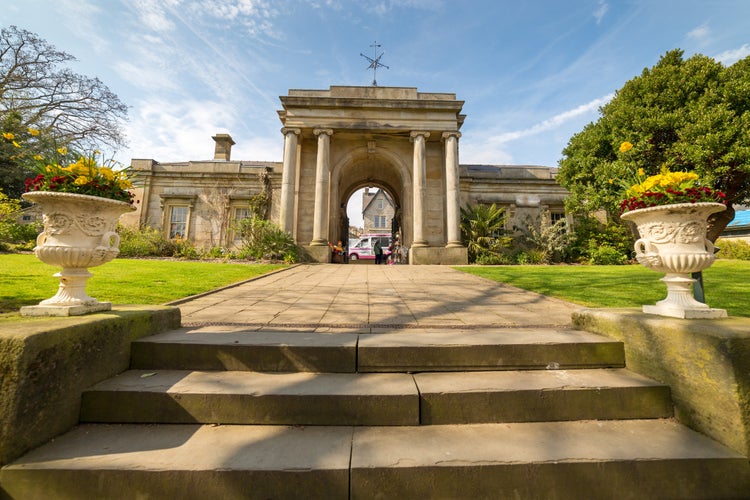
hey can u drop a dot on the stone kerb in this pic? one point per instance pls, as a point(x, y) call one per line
point(705, 362)
point(46, 364)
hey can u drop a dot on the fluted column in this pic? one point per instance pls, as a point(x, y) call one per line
point(320, 216)
point(419, 185)
point(452, 195)
point(288, 179)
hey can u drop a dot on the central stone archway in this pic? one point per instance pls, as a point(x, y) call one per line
point(406, 142)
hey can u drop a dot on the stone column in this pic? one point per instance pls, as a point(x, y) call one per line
point(288, 178)
point(452, 197)
point(320, 216)
point(419, 183)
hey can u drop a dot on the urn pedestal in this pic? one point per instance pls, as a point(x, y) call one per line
point(673, 241)
point(79, 232)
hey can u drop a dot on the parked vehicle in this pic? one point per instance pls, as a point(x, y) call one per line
point(363, 248)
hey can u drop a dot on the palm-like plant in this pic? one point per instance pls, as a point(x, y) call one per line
point(483, 232)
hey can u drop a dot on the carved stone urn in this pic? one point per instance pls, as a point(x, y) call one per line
point(79, 232)
point(673, 241)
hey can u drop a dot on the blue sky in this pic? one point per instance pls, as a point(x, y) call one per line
point(532, 73)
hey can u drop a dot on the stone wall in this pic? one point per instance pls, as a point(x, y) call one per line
point(706, 363)
point(46, 364)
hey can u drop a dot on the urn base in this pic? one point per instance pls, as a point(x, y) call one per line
point(686, 313)
point(71, 310)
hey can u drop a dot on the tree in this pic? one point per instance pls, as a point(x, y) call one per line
point(37, 91)
point(686, 114)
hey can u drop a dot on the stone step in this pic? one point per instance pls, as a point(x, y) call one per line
point(638, 459)
point(412, 350)
point(236, 397)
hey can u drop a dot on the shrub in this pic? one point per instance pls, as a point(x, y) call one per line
point(263, 240)
point(590, 235)
point(733, 249)
point(542, 241)
point(144, 241)
point(606, 255)
point(483, 233)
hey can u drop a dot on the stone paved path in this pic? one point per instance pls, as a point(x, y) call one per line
point(329, 296)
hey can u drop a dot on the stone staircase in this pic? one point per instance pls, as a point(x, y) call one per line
point(222, 412)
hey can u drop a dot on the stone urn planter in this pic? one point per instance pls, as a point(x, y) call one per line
point(79, 232)
point(673, 241)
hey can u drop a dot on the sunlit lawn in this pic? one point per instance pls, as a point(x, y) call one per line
point(24, 280)
point(726, 283)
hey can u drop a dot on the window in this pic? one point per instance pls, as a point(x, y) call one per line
point(557, 216)
point(380, 221)
point(380, 204)
point(241, 213)
point(178, 218)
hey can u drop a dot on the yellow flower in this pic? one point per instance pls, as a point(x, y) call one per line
point(16, 144)
point(107, 173)
point(625, 147)
point(80, 181)
point(124, 184)
point(9, 136)
point(38, 157)
point(63, 150)
point(641, 172)
point(33, 132)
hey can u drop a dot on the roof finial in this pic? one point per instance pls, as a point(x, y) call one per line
point(375, 62)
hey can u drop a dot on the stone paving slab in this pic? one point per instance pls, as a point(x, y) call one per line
point(327, 295)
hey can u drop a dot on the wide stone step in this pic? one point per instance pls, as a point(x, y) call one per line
point(238, 397)
point(413, 350)
point(635, 459)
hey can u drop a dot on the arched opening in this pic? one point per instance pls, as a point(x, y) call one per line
point(378, 173)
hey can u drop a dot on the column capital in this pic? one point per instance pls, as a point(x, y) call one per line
point(452, 133)
point(418, 133)
point(326, 131)
point(291, 130)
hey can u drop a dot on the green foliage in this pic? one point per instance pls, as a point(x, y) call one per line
point(542, 241)
point(144, 242)
point(686, 114)
point(733, 249)
point(483, 233)
point(15, 236)
point(600, 244)
point(263, 240)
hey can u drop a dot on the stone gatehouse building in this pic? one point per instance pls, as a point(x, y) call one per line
point(336, 141)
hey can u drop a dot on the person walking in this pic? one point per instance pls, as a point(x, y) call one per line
point(378, 250)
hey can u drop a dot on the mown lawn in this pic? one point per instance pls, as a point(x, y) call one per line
point(25, 280)
point(726, 284)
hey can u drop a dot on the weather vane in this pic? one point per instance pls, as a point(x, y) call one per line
point(375, 63)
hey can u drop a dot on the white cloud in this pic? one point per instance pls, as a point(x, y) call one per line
point(701, 33)
point(152, 14)
point(601, 11)
point(170, 132)
point(77, 13)
point(729, 57)
point(554, 122)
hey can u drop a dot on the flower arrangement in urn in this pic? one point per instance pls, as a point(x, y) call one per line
point(667, 188)
point(670, 211)
point(81, 201)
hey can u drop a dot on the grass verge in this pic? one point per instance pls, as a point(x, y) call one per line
point(726, 284)
point(25, 280)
